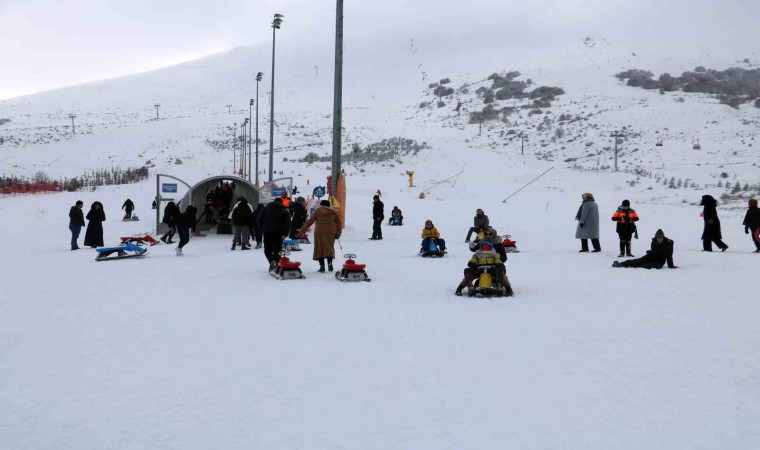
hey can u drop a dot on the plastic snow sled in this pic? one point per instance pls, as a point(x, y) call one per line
point(132, 218)
point(285, 269)
point(352, 271)
point(489, 284)
point(510, 246)
point(395, 221)
point(432, 250)
point(120, 252)
point(138, 240)
point(290, 245)
point(302, 238)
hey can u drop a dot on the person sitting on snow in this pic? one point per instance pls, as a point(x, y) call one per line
point(485, 254)
point(661, 253)
point(430, 233)
point(396, 216)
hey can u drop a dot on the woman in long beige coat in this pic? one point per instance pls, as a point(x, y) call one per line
point(327, 230)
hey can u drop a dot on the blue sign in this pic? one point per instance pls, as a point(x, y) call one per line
point(319, 191)
point(169, 187)
point(277, 191)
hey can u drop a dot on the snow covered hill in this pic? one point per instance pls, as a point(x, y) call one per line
point(209, 351)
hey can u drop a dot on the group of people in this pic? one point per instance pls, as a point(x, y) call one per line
point(661, 248)
point(93, 237)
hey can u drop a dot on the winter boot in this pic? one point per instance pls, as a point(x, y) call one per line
point(163, 238)
point(233, 246)
point(329, 264)
point(628, 250)
point(616, 264)
point(321, 265)
point(179, 251)
point(622, 250)
point(458, 292)
point(245, 247)
point(508, 292)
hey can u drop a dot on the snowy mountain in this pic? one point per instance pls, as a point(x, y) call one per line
point(208, 351)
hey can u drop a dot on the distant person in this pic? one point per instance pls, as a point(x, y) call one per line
point(128, 207)
point(93, 237)
point(274, 222)
point(711, 233)
point(397, 217)
point(661, 253)
point(76, 222)
point(299, 216)
point(588, 224)
point(171, 213)
point(241, 222)
point(479, 223)
point(327, 229)
point(255, 230)
point(154, 205)
point(625, 217)
point(752, 223)
point(377, 216)
point(185, 223)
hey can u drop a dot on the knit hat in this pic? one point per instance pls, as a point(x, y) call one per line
point(486, 246)
point(300, 199)
point(626, 203)
point(659, 233)
point(753, 202)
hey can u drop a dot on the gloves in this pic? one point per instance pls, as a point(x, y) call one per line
point(746, 230)
point(473, 245)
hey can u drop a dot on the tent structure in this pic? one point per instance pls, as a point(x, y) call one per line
point(168, 189)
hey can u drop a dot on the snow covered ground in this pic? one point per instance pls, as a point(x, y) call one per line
point(209, 351)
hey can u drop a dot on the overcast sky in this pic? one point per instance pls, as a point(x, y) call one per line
point(45, 44)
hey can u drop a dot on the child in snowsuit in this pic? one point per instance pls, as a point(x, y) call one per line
point(625, 217)
point(396, 217)
point(485, 254)
point(430, 233)
point(752, 223)
point(661, 252)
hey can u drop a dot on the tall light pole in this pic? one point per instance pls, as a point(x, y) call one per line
point(616, 135)
point(250, 123)
point(258, 78)
point(337, 96)
point(275, 26)
point(229, 109)
point(73, 128)
point(234, 147)
point(156, 106)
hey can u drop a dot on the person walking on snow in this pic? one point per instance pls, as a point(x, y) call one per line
point(299, 216)
point(479, 223)
point(752, 223)
point(378, 215)
point(185, 223)
point(241, 221)
point(328, 228)
point(588, 224)
point(661, 252)
point(171, 213)
point(128, 207)
point(711, 231)
point(625, 217)
point(76, 222)
point(93, 237)
point(274, 222)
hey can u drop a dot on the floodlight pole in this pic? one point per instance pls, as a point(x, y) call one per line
point(250, 123)
point(275, 26)
point(616, 135)
point(234, 147)
point(73, 128)
point(337, 96)
point(258, 78)
point(156, 106)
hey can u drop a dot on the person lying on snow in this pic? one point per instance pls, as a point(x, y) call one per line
point(661, 253)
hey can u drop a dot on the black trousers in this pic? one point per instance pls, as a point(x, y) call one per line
point(272, 246)
point(708, 242)
point(643, 262)
point(377, 231)
point(594, 242)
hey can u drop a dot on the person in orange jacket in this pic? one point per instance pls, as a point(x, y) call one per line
point(625, 217)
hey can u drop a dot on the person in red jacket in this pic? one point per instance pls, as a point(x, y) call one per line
point(625, 217)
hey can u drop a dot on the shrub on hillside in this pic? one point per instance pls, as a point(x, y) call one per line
point(547, 92)
point(488, 113)
point(445, 81)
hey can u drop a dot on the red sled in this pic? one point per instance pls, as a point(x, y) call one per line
point(302, 238)
point(510, 246)
point(138, 240)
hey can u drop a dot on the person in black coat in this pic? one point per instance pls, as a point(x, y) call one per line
point(185, 222)
point(93, 237)
point(76, 222)
point(661, 252)
point(241, 223)
point(274, 222)
point(377, 216)
point(128, 207)
point(711, 232)
point(171, 212)
point(752, 223)
point(255, 230)
point(299, 216)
